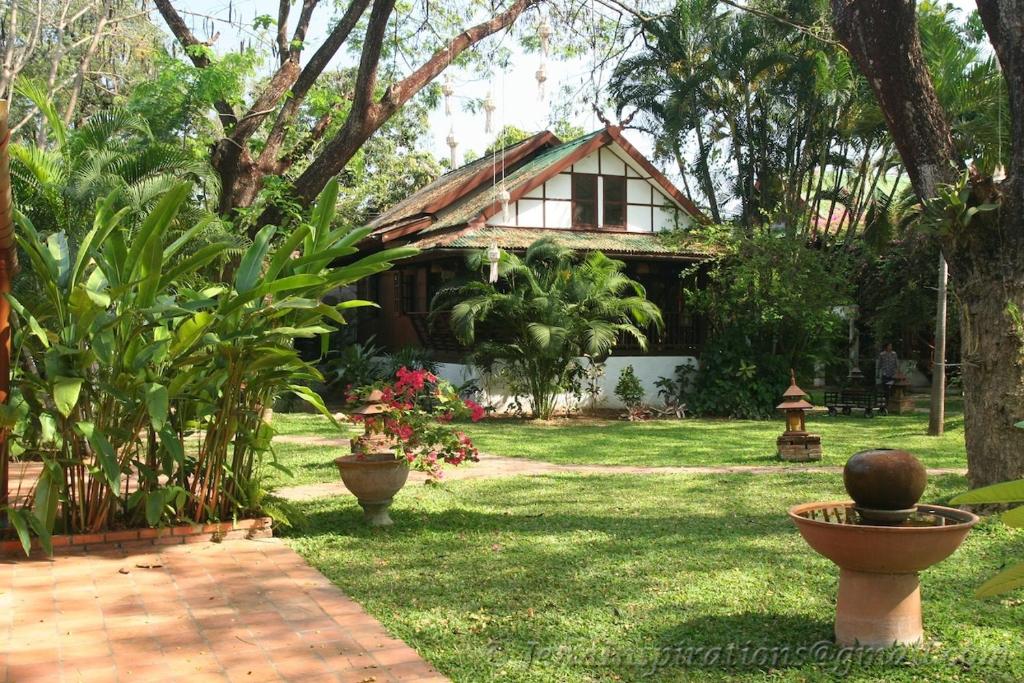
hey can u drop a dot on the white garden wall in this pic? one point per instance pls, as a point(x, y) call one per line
point(647, 369)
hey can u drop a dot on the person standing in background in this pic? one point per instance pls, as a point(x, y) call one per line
point(888, 368)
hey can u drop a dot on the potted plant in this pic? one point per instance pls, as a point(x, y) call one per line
point(407, 424)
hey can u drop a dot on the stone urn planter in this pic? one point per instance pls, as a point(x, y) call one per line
point(373, 473)
point(407, 424)
point(373, 479)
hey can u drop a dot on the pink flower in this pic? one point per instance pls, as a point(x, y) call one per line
point(477, 411)
point(445, 418)
point(411, 381)
point(401, 431)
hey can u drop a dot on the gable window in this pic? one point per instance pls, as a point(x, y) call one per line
point(584, 200)
point(598, 201)
point(614, 201)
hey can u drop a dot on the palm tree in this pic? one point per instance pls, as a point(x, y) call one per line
point(113, 151)
point(550, 308)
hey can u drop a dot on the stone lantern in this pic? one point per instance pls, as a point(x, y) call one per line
point(900, 401)
point(370, 443)
point(796, 444)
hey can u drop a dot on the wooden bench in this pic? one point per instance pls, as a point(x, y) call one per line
point(848, 400)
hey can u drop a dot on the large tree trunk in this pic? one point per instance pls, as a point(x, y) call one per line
point(985, 256)
point(993, 375)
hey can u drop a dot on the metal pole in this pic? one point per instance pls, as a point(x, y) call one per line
point(937, 410)
point(8, 268)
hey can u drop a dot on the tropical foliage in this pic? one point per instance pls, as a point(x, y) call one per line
point(112, 154)
point(770, 301)
point(772, 119)
point(143, 383)
point(1005, 493)
point(549, 309)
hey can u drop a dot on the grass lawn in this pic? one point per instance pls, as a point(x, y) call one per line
point(712, 442)
point(656, 443)
point(309, 424)
point(599, 578)
point(307, 463)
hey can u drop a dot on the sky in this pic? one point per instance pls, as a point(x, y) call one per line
point(515, 91)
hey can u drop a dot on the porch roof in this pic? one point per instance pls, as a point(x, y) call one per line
point(646, 244)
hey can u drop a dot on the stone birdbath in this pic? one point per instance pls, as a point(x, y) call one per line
point(880, 542)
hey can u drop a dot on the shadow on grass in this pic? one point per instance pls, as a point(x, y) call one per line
point(628, 564)
point(748, 640)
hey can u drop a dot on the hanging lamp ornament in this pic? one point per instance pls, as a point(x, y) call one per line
point(544, 33)
point(506, 202)
point(542, 77)
point(493, 256)
point(453, 144)
point(447, 89)
point(489, 108)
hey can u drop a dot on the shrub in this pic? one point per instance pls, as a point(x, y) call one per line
point(629, 389)
point(675, 391)
point(352, 365)
point(548, 310)
point(127, 354)
point(770, 301)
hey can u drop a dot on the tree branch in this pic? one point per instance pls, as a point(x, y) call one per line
point(365, 119)
point(283, 7)
point(187, 40)
point(401, 92)
point(300, 88)
point(369, 61)
point(299, 37)
point(83, 64)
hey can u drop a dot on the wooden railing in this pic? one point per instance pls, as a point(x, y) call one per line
point(680, 336)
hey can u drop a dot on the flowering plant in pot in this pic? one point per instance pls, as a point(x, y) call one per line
point(408, 423)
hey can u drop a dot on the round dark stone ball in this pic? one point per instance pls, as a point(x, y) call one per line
point(884, 479)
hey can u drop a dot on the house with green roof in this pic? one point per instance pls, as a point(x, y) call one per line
point(593, 193)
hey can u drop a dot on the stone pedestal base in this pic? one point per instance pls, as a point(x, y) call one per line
point(799, 447)
point(878, 610)
point(375, 513)
point(900, 403)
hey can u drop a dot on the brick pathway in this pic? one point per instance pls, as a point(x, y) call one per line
point(232, 611)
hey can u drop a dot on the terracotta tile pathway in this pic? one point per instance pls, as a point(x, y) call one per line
point(232, 611)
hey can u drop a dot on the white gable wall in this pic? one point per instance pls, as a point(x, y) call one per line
point(648, 208)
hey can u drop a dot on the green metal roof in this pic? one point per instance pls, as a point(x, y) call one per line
point(583, 240)
point(468, 208)
point(415, 203)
